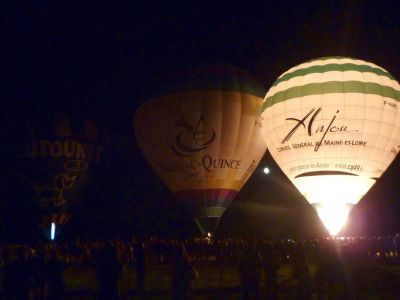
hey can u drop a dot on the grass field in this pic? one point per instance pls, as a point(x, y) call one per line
point(382, 282)
point(82, 282)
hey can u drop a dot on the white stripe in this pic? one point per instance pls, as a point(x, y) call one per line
point(323, 62)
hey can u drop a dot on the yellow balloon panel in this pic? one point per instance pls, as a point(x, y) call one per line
point(202, 139)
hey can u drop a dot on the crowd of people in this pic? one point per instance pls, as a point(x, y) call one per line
point(317, 265)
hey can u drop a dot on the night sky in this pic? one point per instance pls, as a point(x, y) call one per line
point(103, 61)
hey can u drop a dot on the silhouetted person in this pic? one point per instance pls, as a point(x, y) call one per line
point(250, 271)
point(301, 272)
point(328, 275)
point(183, 275)
point(322, 271)
point(396, 244)
point(140, 267)
point(108, 273)
point(270, 264)
point(38, 275)
point(17, 276)
point(54, 278)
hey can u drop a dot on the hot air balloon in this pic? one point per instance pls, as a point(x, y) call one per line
point(203, 137)
point(56, 152)
point(333, 126)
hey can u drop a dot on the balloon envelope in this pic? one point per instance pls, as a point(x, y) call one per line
point(57, 152)
point(333, 126)
point(203, 138)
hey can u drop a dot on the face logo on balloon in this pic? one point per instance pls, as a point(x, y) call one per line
point(320, 129)
point(192, 139)
point(54, 195)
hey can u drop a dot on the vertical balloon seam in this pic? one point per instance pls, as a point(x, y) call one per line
point(208, 193)
point(322, 76)
point(227, 130)
point(396, 126)
point(252, 136)
point(256, 103)
point(272, 120)
point(395, 129)
point(376, 154)
point(235, 145)
point(236, 139)
point(221, 95)
point(243, 147)
point(243, 102)
point(387, 140)
point(225, 102)
point(209, 197)
point(359, 149)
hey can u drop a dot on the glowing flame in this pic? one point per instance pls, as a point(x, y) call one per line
point(333, 196)
point(333, 216)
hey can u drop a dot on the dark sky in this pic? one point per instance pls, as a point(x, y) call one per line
point(102, 60)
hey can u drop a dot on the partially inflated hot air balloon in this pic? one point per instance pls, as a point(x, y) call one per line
point(333, 126)
point(203, 138)
point(57, 152)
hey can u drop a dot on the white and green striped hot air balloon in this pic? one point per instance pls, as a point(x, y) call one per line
point(333, 126)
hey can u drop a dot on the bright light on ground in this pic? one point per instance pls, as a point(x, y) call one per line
point(266, 170)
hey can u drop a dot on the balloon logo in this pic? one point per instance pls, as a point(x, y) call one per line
point(196, 138)
point(333, 126)
point(55, 157)
point(203, 138)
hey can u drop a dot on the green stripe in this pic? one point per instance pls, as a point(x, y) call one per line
point(199, 225)
point(215, 211)
point(207, 225)
point(333, 67)
point(332, 87)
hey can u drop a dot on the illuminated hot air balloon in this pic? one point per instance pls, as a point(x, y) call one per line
point(203, 138)
point(57, 152)
point(333, 126)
